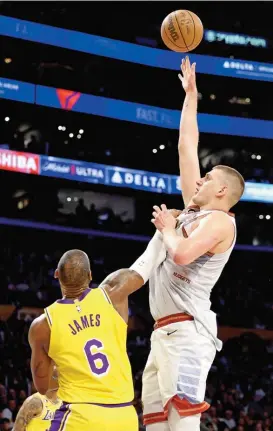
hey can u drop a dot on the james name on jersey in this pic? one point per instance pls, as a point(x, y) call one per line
point(86, 321)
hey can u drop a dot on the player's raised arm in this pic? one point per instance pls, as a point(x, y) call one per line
point(188, 133)
point(31, 408)
point(121, 283)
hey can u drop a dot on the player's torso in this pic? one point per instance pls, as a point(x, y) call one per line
point(42, 423)
point(88, 344)
point(176, 288)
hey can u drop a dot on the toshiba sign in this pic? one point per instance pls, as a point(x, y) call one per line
point(19, 162)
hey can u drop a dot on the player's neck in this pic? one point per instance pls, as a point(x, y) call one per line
point(215, 206)
point(73, 294)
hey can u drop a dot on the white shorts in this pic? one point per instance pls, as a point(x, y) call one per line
point(176, 371)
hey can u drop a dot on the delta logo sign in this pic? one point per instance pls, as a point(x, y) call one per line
point(67, 98)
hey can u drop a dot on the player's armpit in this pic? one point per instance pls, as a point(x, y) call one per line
point(31, 408)
point(41, 363)
point(212, 230)
point(121, 283)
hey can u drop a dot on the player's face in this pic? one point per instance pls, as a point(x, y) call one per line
point(209, 187)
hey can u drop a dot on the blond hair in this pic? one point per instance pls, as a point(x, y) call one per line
point(235, 181)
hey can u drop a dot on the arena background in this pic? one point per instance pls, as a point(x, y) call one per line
point(88, 143)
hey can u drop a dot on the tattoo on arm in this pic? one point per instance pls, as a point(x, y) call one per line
point(31, 408)
point(122, 283)
point(121, 277)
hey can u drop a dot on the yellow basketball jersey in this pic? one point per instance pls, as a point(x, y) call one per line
point(88, 345)
point(43, 422)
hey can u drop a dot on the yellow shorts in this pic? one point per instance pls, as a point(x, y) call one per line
point(87, 417)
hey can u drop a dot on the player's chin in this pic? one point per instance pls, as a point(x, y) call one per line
point(195, 198)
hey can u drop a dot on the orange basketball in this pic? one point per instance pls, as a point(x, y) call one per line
point(182, 31)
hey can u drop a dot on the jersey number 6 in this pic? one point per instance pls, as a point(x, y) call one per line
point(98, 362)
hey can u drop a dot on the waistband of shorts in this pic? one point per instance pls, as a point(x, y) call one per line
point(113, 405)
point(173, 318)
point(130, 403)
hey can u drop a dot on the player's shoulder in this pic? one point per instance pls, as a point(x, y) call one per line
point(54, 305)
point(35, 402)
point(220, 221)
point(36, 396)
point(39, 328)
point(39, 322)
point(221, 216)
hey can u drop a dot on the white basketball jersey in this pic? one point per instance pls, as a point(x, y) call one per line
point(186, 288)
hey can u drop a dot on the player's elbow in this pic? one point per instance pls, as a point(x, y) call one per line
point(181, 258)
point(187, 140)
point(41, 387)
point(182, 142)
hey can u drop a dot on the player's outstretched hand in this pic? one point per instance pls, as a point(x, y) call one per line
point(163, 219)
point(188, 77)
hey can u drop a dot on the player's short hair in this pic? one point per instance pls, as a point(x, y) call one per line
point(235, 181)
point(74, 269)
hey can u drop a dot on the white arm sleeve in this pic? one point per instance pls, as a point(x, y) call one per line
point(152, 257)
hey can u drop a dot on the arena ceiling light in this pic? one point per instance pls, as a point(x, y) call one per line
point(7, 119)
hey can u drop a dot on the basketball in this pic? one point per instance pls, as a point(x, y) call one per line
point(182, 31)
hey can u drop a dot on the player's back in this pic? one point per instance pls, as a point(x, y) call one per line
point(43, 421)
point(88, 345)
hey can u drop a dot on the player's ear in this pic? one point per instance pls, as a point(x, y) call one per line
point(90, 275)
point(222, 191)
point(56, 274)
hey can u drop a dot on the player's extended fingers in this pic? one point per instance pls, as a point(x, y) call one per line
point(180, 77)
point(155, 215)
point(185, 70)
point(193, 70)
point(157, 209)
point(164, 208)
point(189, 69)
point(188, 64)
point(183, 66)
